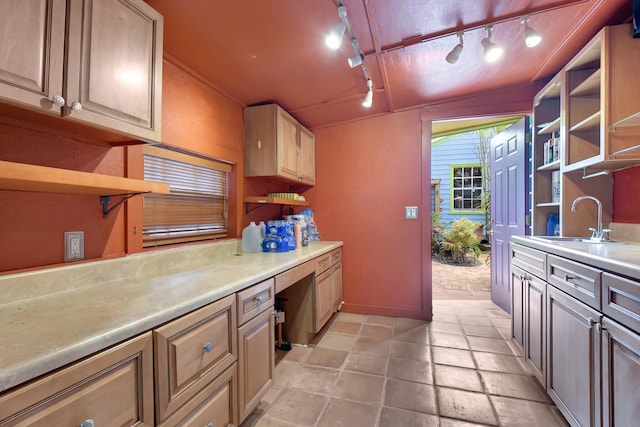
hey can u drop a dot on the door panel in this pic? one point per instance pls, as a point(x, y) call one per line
point(508, 204)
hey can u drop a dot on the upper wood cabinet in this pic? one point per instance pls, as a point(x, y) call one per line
point(277, 146)
point(602, 102)
point(111, 74)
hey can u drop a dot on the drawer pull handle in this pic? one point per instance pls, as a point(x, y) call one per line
point(87, 423)
point(568, 278)
point(207, 347)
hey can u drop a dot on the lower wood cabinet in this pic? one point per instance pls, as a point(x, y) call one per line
point(322, 298)
point(573, 358)
point(112, 388)
point(256, 361)
point(535, 324)
point(192, 351)
point(336, 286)
point(517, 306)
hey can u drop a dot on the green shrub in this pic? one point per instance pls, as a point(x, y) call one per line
point(461, 239)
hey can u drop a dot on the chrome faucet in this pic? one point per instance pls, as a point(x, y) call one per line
point(599, 234)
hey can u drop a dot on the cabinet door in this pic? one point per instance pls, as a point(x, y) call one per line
point(573, 358)
point(517, 305)
point(322, 300)
point(336, 286)
point(255, 361)
point(287, 146)
point(620, 375)
point(307, 160)
point(112, 388)
point(536, 302)
point(114, 68)
point(32, 52)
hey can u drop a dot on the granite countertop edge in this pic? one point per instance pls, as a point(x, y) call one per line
point(42, 333)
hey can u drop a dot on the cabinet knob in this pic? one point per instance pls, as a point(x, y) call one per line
point(58, 101)
point(207, 347)
point(76, 106)
point(87, 423)
point(599, 327)
point(209, 425)
point(260, 299)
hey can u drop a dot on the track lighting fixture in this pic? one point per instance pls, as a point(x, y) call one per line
point(334, 39)
point(355, 60)
point(368, 99)
point(531, 37)
point(453, 56)
point(492, 52)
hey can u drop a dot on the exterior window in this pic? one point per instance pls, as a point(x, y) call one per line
point(196, 208)
point(466, 188)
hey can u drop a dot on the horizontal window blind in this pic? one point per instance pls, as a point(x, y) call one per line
point(195, 209)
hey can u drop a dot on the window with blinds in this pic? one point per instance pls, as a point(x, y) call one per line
point(195, 209)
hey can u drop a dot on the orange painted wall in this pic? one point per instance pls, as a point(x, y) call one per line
point(626, 204)
point(32, 225)
point(366, 173)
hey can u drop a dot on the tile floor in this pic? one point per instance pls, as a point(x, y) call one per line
point(458, 370)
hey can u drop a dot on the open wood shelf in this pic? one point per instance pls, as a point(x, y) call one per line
point(25, 177)
point(550, 127)
point(589, 124)
point(550, 166)
point(589, 87)
point(275, 201)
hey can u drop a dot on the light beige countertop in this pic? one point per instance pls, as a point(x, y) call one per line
point(52, 317)
point(620, 258)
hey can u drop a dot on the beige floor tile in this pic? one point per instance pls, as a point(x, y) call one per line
point(446, 327)
point(411, 351)
point(453, 357)
point(360, 362)
point(445, 317)
point(465, 405)
point(455, 377)
point(351, 317)
point(361, 387)
point(449, 422)
point(372, 346)
point(482, 320)
point(349, 328)
point(511, 385)
point(394, 417)
point(346, 413)
point(265, 421)
point(524, 413)
point(381, 320)
point(411, 396)
point(405, 323)
point(481, 331)
point(337, 341)
point(499, 363)
point(296, 354)
point(376, 332)
point(298, 407)
point(410, 370)
point(500, 322)
point(327, 357)
point(419, 334)
point(314, 379)
point(285, 371)
point(441, 339)
point(490, 345)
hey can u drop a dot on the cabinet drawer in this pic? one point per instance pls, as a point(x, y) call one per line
point(289, 277)
point(254, 300)
point(336, 256)
point(215, 404)
point(578, 280)
point(531, 260)
point(192, 351)
point(323, 263)
point(621, 300)
point(113, 388)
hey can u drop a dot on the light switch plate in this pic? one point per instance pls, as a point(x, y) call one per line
point(411, 212)
point(73, 245)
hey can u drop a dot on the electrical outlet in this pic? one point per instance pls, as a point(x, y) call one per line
point(73, 245)
point(411, 212)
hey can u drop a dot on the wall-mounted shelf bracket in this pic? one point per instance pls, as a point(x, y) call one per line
point(106, 200)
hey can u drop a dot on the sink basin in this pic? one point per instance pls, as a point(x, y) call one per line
point(573, 239)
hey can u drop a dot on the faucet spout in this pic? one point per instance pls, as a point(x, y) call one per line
point(598, 233)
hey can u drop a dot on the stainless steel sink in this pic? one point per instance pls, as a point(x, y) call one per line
point(574, 239)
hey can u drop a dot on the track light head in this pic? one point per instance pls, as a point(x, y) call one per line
point(368, 99)
point(531, 37)
point(452, 57)
point(334, 39)
point(492, 52)
point(355, 60)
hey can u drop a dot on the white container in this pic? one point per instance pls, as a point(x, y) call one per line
point(555, 186)
point(251, 238)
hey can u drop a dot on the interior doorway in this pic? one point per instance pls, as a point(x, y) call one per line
point(461, 189)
